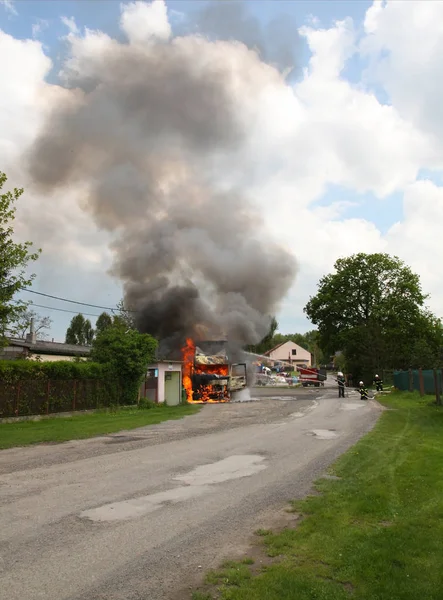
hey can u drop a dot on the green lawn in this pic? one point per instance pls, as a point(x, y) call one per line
point(375, 534)
point(87, 425)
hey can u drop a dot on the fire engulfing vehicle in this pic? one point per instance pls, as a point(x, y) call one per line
point(208, 375)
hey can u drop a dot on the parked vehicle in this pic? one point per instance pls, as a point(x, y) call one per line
point(312, 376)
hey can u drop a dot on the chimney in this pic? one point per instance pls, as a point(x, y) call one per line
point(31, 337)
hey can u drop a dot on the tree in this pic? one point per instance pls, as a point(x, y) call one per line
point(40, 324)
point(127, 353)
point(125, 316)
point(372, 309)
point(103, 321)
point(14, 259)
point(80, 331)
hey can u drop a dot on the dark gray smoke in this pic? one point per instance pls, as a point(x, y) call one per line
point(277, 42)
point(151, 134)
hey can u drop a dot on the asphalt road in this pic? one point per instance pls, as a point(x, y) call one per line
point(141, 515)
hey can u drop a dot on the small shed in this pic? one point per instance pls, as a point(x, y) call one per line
point(163, 382)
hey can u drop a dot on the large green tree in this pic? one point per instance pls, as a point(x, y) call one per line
point(104, 320)
point(373, 309)
point(14, 260)
point(80, 331)
point(127, 354)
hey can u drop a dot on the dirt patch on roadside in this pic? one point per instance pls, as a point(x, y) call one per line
point(254, 557)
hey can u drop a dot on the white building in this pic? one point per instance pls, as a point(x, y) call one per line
point(163, 382)
point(290, 352)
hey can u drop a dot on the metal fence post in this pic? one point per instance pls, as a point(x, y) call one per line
point(421, 382)
point(437, 388)
point(411, 380)
point(75, 394)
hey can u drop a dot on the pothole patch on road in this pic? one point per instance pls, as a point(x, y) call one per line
point(196, 483)
point(138, 507)
point(233, 467)
point(324, 434)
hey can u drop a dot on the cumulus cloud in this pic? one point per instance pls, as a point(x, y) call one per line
point(70, 23)
point(143, 22)
point(300, 139)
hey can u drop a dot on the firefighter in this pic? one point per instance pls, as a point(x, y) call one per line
point(363, 391)
point(341, 384)
point(378, 383)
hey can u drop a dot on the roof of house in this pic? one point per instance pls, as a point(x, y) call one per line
point(43, 347)
point(269, 352)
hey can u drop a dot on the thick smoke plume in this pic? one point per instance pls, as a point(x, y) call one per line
point(151, 135)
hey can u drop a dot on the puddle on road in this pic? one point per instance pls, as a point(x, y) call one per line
point(233, 467)
point(323, 434)
point(196, 483)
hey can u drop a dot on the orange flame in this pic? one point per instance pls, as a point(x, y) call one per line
point(206, 393)
point(188, 364)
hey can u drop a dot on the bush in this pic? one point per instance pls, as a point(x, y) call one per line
point(145, 404)
point(126, 354)
point(20, 370)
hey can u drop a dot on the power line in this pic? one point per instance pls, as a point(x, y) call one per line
point(74, 312)
point(75, 301)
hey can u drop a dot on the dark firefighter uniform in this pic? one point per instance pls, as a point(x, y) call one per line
point(378, 383)
point(341, 385)
point(363, 391)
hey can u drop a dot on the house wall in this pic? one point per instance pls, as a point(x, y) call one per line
point(284, 353)
point(168, 389)
point(53, 357)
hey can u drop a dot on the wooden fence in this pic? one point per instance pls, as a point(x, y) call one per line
point(44, 397)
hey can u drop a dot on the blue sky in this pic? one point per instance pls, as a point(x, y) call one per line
point(43, 21)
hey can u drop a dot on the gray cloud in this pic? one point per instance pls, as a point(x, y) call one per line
point(147, 138)
point(277, 41)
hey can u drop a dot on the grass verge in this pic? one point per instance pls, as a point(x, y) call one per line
point(62, 429)
point(374, 534)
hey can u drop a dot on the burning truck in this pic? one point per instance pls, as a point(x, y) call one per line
point(208, 374)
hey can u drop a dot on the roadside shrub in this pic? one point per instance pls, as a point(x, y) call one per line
point(19, 370)
point(145, 404)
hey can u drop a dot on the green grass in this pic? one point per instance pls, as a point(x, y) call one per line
point(82, 426)
point(375, 534)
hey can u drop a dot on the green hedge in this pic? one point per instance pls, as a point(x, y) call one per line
point(34, 388)
point(21, 370)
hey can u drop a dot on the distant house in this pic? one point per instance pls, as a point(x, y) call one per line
point(41, 350)
point(292, 353)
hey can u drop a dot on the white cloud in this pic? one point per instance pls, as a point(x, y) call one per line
point(39, 26)
point(9, 6)
point(404, 43)
point(325, 130)
point(70, 243)
point(143, 22)
point(70, 23)
point(417, 238)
